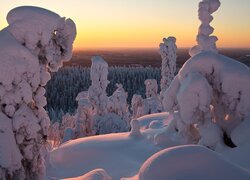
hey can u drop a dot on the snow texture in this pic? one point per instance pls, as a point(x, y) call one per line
point(142, 159)
point(35, 42)
point(119, 154)
point(189, 162)
point(204, 40)
point(97, 174)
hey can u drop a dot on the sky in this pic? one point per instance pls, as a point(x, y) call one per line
point(143, 23)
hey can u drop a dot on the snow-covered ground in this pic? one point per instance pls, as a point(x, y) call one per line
point(120, 154)
point(123, 155)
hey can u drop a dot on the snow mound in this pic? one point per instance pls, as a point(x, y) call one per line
point(118, 154)
point(189, 162)
point(161, 118)
point(239, 155)
point(97, 174)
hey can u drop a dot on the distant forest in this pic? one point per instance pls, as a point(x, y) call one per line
point(64, 86)
point(129, 67)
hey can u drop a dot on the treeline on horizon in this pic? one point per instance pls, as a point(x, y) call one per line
point(145, 56)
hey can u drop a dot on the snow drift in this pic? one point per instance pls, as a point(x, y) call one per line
point(189, 162)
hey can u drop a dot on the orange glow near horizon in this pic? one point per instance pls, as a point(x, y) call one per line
point(144, 23)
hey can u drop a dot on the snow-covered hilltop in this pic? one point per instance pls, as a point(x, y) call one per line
point(204, 133)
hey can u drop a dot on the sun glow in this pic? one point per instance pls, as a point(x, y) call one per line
point(143, 23)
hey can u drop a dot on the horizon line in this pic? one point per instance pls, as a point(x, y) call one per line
point(141, 48)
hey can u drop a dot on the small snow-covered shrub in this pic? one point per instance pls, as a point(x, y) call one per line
point(84, 125)
point(109, 123)
point(117, 104)
point(139, 107)
point(152, 98)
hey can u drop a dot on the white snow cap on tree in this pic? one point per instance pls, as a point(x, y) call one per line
point(97, 90)
point(204, 40)
point(35, 42)
point(168, 68)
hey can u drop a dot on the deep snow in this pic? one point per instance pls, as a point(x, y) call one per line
point(123, 156)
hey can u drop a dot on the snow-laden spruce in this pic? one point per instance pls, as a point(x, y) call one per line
point(204, 40)
point(110, 114)
point(117, 104)
point(97, 113)
point(139, 107)
point(99, 82)
point(211, 95)
point(210, 110)
point(152, 98)
point(168, 67)
point(83, 119)
point(35, 42)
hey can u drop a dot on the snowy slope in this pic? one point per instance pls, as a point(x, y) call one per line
point(122, 156)
point(118, 154)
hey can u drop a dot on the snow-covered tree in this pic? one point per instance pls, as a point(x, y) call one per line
point(68, 134)
point(35, 42)
point(99, 82)
point(138, 106)
point(54, 135)
point(207, 108)
point(65, 85)
point(151, 88)
point(204, 40)
point(168, 67)
point(118, 104)
point(109, 123)
point(67, 121)
point(152, 98)
point(211, 111)
point(84, 125)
